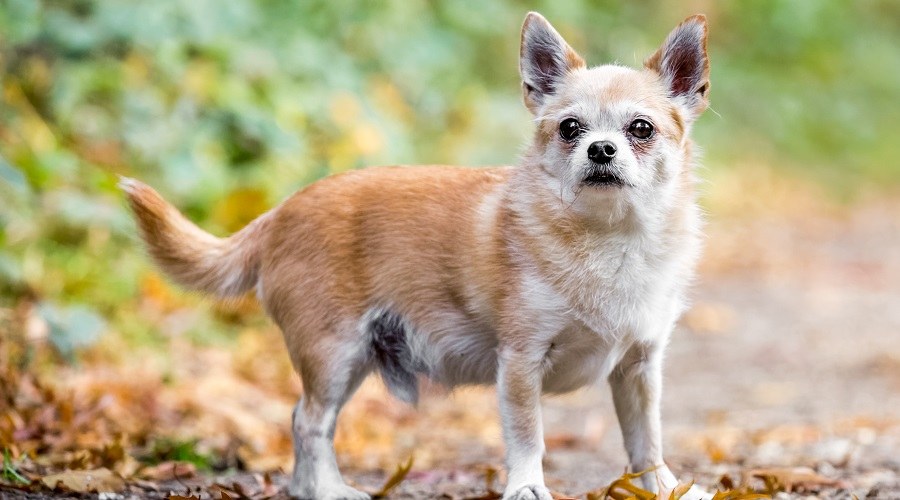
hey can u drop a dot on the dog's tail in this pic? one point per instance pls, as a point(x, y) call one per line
point(190, 256)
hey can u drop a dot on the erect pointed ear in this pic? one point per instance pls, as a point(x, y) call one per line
point(544, 59)
point(683, 64)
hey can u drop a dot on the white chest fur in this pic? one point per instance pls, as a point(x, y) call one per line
point(602, 295)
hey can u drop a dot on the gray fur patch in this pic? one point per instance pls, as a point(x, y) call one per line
point(393, 356)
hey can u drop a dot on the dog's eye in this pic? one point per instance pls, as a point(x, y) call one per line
point(569, 129)
point(642, 129)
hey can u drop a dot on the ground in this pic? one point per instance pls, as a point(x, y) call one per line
point(788, 361)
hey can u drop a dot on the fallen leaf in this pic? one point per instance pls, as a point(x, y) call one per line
point(168, 471)
point(490, 478)
point(677, 492)
point(791, 479)
point(491, 495)
point(84, 481)
point(622, 489)
point(726, 482)
point(394, 480)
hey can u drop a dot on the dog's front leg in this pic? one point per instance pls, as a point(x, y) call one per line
point(519, 388)
point(637, 388)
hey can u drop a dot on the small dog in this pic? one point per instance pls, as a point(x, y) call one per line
point(541, 278)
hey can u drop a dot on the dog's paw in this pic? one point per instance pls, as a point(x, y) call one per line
point(528, 492)
point(331, 492)
point(696, 493)
point(344, 492)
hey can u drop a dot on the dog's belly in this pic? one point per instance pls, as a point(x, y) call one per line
point(452, 348)
point(458, 351)
point(577, 358)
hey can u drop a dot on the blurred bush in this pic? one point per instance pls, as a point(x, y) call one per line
point(227, 107)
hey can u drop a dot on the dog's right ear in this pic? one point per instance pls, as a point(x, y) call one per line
point(544, 59)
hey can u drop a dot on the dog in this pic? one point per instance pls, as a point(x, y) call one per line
point(542, 278)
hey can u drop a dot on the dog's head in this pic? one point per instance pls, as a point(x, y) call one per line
point(612, 131)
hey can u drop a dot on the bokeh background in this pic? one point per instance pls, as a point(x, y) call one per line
point(228, 107)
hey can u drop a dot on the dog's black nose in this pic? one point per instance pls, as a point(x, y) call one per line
point(601, 152)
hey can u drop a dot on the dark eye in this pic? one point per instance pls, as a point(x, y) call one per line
point(642, 129)
point(569, 129)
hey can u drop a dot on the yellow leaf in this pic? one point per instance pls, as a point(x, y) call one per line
point(680, 490)
point(394, 480)
point(239, 207)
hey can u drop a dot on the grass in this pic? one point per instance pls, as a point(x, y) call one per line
point(10, 473)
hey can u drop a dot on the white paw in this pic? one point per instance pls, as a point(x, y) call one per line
point(696, 493)
point(528, 492)
point(330, 492)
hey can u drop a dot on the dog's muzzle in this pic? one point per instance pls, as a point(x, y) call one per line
point(603, 176)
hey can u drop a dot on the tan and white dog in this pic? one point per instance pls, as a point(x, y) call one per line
point(542, 278)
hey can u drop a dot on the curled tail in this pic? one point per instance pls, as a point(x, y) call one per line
point(190, 256)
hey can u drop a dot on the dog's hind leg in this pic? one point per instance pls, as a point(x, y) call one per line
point(330, 377)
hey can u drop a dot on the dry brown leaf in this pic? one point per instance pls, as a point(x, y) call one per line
point(490, 495)
point(84, 481)
point(726, 482)
point(397, 478)
point(490, 478)
point(168, 471)
point(740, 494)
point(623, 489)
point(234, 490)
point(237, 488)
point(791, 479)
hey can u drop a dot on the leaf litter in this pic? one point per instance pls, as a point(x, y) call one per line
point(88, 437)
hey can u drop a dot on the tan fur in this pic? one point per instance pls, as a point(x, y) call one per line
point(190, 256)
point(407, 237)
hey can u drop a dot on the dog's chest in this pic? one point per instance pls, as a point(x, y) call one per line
point(621, 287)
point(594, 307)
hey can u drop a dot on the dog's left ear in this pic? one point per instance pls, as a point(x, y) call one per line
point(544, 60)
point(683, 64)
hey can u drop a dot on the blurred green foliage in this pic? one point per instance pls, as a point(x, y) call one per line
point(228, 106)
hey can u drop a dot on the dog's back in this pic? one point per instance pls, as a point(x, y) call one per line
point(412, 242)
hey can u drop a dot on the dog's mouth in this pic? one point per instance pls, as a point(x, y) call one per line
point(603, 178)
